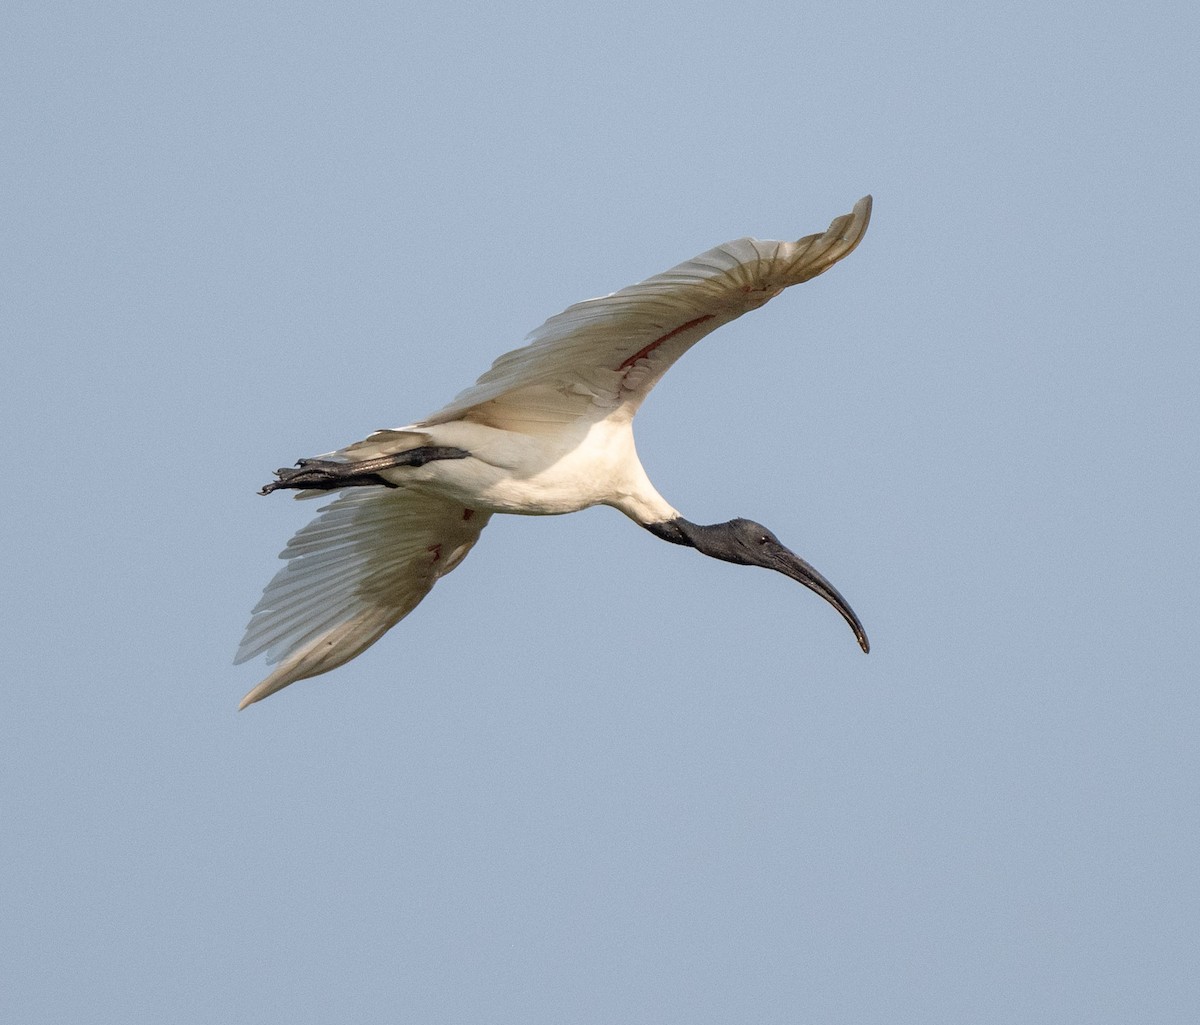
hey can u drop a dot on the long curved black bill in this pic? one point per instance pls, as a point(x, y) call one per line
point(795, 567)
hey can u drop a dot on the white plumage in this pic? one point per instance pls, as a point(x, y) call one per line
point(547, 430)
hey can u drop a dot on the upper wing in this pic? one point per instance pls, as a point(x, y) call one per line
point(610, 352)
point(352, 573)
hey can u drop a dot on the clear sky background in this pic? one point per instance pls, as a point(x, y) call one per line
point(596, 778)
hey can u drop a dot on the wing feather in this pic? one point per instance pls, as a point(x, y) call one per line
point(355, 571)
point(606, 353)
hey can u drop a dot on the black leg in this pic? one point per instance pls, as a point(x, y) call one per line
point(333, 474)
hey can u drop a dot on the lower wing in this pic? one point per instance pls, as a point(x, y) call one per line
point(352, 574)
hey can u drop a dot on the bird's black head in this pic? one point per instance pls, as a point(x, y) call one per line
point(751, 544)
point(744, 542)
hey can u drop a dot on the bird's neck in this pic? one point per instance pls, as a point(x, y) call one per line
point(681, 532)
point(715, 540)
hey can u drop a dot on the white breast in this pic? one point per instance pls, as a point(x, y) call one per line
point(586, 464)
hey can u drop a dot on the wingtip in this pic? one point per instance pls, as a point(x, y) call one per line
point(860, 218)
point(815, 254)
point(862, 210)
point(847, 231)
point(275, 682)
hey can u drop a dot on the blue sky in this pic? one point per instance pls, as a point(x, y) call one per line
point(595, 777)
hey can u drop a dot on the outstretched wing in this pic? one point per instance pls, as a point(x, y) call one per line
point(352, 573)
point(610, 352)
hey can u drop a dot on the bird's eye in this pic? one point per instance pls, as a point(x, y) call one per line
point(763, 539)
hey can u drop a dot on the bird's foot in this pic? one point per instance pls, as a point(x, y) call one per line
point(335, 474)
point(322, 475)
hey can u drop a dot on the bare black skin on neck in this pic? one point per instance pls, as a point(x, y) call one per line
point(751, 544)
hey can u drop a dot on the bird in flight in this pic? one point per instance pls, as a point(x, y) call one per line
point(547, 430)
